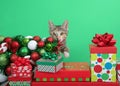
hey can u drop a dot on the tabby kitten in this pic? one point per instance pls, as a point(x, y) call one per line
point(59, 32)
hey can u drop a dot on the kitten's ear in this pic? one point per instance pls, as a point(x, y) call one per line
point(51, 25)
point(65, 25)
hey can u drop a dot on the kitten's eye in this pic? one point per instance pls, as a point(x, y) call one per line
point(54, 34)
point(61, 33)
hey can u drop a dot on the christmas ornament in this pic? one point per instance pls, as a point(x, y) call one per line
point(1, 38)
point(3, 78)
point(29, 37)
point(14, 46)
point(44, 39)
point(48, 47)
point(36, 38)
point(8, 70)
point(13, 57)
point(25, 41)
point(19, 38)
point(35, 56)
point(50, 39)
point(3, 47)
point(41, 51)
point(41, 44)
point(8, 40)
point(32, 45)
point(23, 51)
point(28, 56)
point(3, 60)
point(8, 54)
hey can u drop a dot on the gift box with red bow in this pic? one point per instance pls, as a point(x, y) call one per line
point(103, 58)
point(21, 68)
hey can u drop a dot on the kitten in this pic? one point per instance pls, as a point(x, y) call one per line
point(60, 32)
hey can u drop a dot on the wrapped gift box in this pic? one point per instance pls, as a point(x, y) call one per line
point(103, 63)
point(22, 71)
point(118, 71)
point(47, 65)
point(34, 83)
point(72, 71)
point(19, 81)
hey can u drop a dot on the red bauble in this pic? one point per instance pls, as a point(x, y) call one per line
point(35, 56)
point(50, 39)
point(8, 70)
point(36, 38)
point(14, 46)
point(19, 59)
point(41, 44)
point(8, 40)
point(13, 57)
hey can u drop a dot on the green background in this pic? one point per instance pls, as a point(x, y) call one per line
point(86, 18)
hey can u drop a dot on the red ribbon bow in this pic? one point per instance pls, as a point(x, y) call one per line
point(57, 48)
point(104, 40)
point(22, 61)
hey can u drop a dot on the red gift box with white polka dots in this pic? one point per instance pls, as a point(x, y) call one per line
point(21, 71)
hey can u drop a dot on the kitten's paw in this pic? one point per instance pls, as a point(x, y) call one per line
point(66, 54)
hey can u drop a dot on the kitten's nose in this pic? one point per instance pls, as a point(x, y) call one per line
point(58, 37)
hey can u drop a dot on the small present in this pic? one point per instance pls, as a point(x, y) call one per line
point(71, 72)
point(47, 65)
point(21, 69)
point(118, 70)
point(19, 81)
point(103, 58)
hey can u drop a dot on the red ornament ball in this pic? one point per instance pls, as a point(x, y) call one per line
point(36, 38)
point(50, 39)
point(13, 57)
point(35, 56)
point(41, 44)
point(8, 40)
point(19, 59)
point(14, 46)
point(8, 70)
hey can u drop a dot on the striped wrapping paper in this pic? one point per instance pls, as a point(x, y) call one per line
point(118, 71)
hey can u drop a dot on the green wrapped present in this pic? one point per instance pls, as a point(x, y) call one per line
point(19, 83)
point(47, 65)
